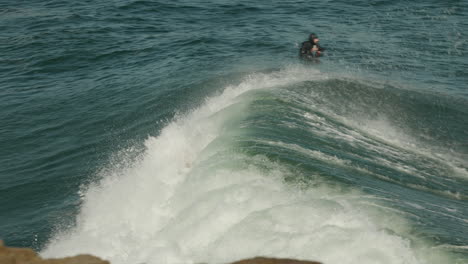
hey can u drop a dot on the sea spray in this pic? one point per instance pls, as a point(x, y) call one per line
point(196, 196)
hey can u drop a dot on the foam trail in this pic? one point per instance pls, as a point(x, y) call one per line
point(190, 199)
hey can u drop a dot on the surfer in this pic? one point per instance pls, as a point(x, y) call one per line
point(310, 49)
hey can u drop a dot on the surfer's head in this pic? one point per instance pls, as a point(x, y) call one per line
point(313, 38)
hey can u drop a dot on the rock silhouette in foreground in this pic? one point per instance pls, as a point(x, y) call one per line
point(262, 260)
point(28, 256)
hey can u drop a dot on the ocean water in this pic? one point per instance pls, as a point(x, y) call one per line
point(189, 131)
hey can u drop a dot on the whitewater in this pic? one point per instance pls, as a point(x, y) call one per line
point(194, 197)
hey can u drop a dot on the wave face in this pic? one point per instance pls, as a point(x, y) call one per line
point(285, 164)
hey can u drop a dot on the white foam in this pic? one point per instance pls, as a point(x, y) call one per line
point(400, 151)
point(177, 205)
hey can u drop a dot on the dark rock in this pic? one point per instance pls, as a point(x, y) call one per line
point(262, 260)
point(28, 256)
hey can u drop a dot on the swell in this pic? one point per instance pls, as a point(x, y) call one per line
point(401, 145)
point(271, 166)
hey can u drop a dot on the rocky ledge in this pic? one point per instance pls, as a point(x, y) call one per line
point(10, 255)
point(262, 260)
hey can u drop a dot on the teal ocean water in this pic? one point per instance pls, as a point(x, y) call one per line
point(189, 132)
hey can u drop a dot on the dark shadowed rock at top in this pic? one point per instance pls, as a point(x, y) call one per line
point(263, 260)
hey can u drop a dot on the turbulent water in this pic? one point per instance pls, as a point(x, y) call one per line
point(189, 131)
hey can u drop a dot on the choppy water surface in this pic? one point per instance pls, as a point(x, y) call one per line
point(151, 132)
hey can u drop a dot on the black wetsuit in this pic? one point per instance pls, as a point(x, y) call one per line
point(306, 50)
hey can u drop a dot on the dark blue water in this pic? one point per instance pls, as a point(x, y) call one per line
point(153, 132)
